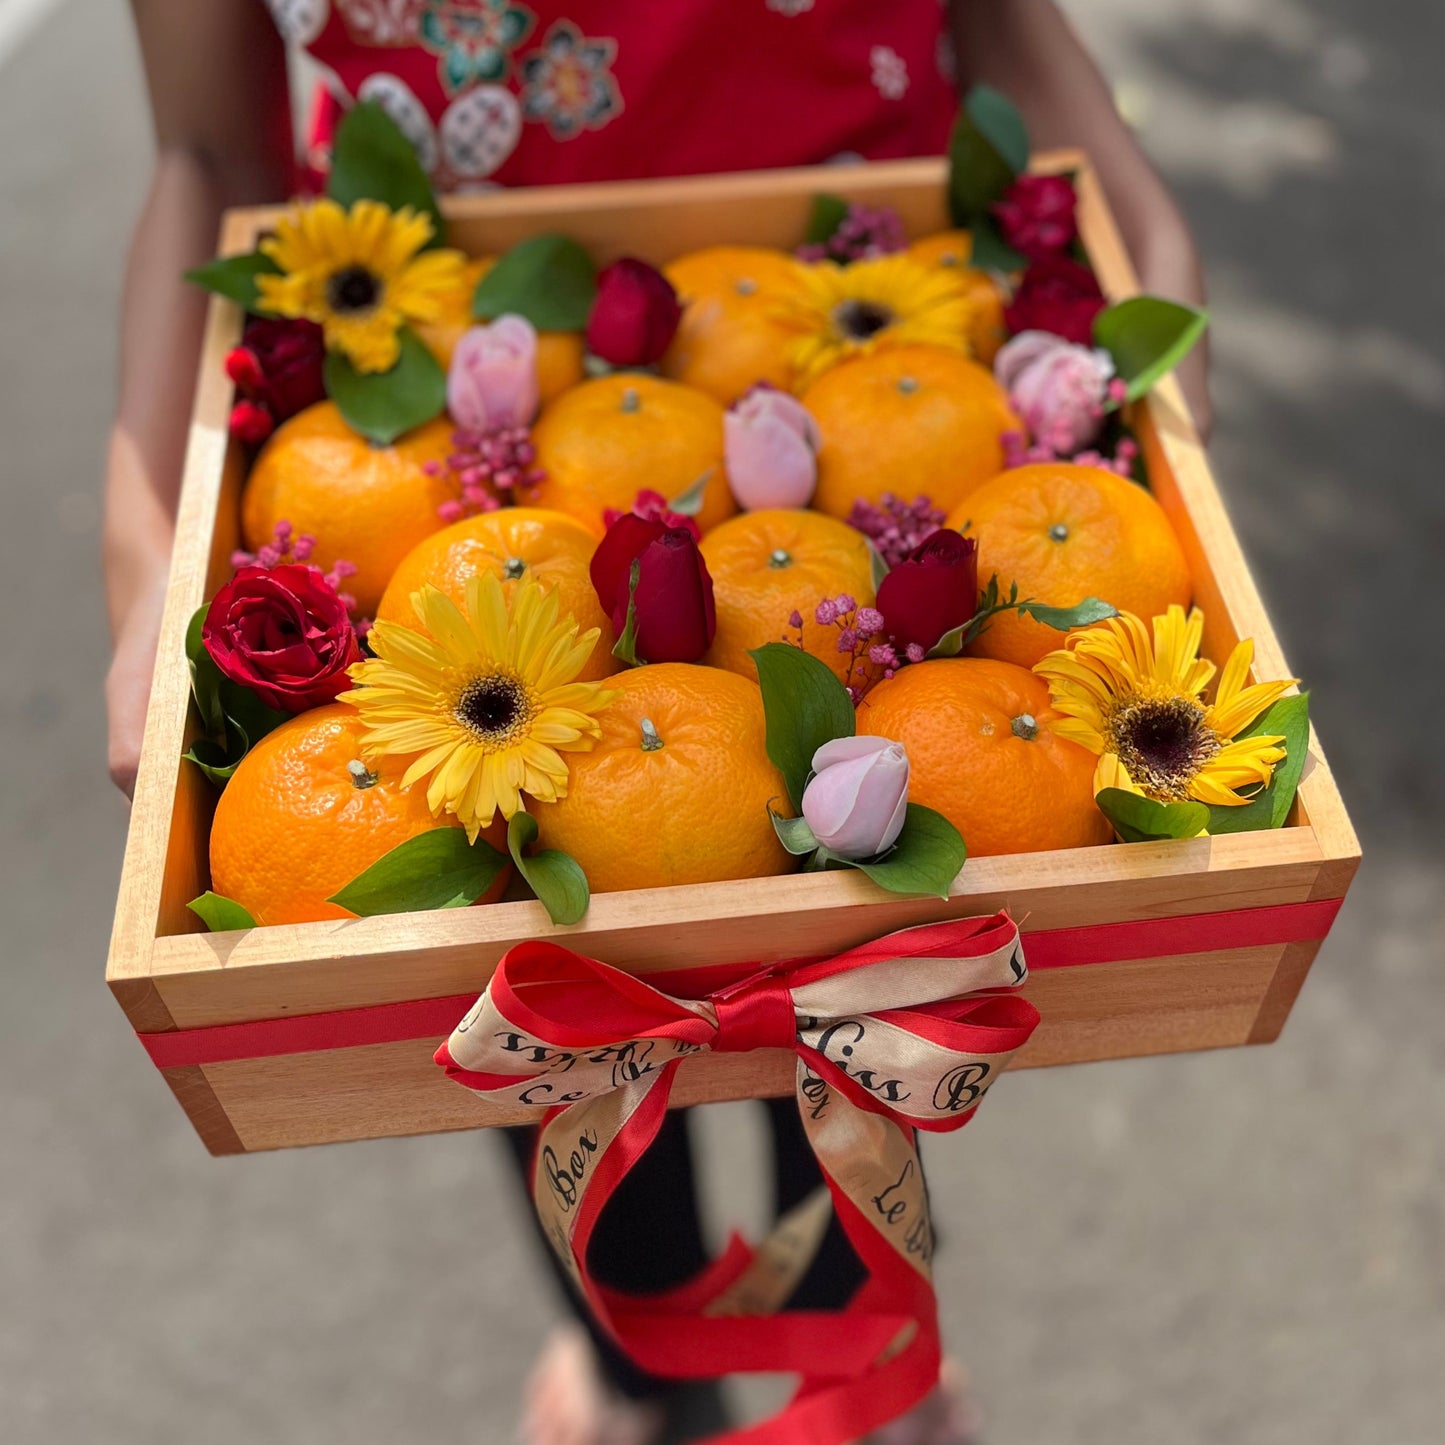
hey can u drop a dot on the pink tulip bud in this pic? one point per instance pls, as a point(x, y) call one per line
point(770, 443)
point(492, 381)
point(858, 797)
point(1057, 387)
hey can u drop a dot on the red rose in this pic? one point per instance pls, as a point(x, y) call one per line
point(1056, 295)
point(932, 592)
point(1036, 215)
point(675, 615)
point(283, 632)
point(277, 370)
point(634, 316)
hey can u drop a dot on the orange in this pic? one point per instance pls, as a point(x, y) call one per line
point(953, 249)
point(1063, 533)
point(368, 504)
point(604, 441)
point(728, 339)
point(302, 817)
point(557, 549)
point(915, 420)
point(767, 564)
point(981, 753)
point(559, 353)
point(677, 789)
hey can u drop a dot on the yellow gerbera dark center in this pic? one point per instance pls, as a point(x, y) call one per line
point(1163, 743)
point(858, 320)
point(352, 289)
point(494, 708)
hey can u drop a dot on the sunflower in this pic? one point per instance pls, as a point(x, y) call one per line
point(358, 274)
point(486, 704)
point(837, 312)
point(1136, 702)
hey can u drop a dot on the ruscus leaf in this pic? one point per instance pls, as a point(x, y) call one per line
point(555, 877)
point(548, 279)
point(988, 148)
point(435, 869)
point(234, 277)
point(1148, 337)
point(805, 705)
point(381, 405)
point(219, 913)
point(1289, 718)
point(927, 857)
point(372, 160)
point(1143, 820)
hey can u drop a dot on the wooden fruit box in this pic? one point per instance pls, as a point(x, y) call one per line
point(1115, 971)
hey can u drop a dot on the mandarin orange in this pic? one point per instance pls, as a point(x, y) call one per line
point(605, 441)
point(676, 791)
point(915, 420)
point(986, 332)
point(302, 816)
point(1065, 532)
point(555, 548)
point(980, 752)
point(368, 504)
point(768, 564)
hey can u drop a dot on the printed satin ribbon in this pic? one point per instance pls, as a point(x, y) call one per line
point(903, 1033)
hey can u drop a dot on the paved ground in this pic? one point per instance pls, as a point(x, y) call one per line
point(1245, 1247)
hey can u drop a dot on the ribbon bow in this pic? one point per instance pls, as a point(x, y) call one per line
point(905, 1032)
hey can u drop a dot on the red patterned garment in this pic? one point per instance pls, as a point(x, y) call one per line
point(513, 93)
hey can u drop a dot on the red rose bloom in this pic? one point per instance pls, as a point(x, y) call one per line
point(635, 314)
point(932, 592)
point(283, 632)
point(1057, 295)
point(1036, 215)
point(277, 370)
point(676, 619)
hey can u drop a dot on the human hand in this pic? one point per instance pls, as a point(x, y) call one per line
point(128, 683)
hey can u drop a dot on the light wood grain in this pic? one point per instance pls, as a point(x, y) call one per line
point(167, 972)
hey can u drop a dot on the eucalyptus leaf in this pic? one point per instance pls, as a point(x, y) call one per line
point(219, 913)
point(688, 503)
point(827, 215)
point(987, 150)
point(625, 647)
point(555, 877)
point(372, 160)
point(990, 251)
point(927, 857)
point(548, 279)
point(1289, 718)
point(234, 277)
point(794, 834)
point(1143, 820)
point(381, 405)
point(805, 705)
point(435, 869)
point(1148, 337)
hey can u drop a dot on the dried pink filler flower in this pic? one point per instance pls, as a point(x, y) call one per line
point(857, 627)
point(1018, 453)
point(864, 232)
point(896, 527)
point(486, 466)
point(286, 547)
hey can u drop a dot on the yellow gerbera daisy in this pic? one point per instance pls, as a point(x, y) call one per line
point(483, 702)
point(1135, 700)
point(358, 273)
point(838, 312)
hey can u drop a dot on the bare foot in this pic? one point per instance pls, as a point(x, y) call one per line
point(947, 1416)
point(568, 1403)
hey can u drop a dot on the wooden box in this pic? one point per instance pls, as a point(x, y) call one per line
point(1115, 970)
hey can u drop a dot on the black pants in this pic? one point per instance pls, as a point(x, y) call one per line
point(649, 1237)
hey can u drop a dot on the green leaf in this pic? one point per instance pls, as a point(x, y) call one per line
point(548, 279)
point(828, 214)
point(219, 913)
point(1142, 820)
point(688, 503)
point(806, 706)
point(878, 569)
point(233, 718)
point(1063, 619)
point(206, 677)
point(1290, 718)
point(990, 251)
point(626, 645)
point(794, 834)
point(1148, 337)
point(234, 277)
point(435, 869)
point(988, 148)
point(372, 160)
point(925, 859)
point(555, 877)
point(383, 404)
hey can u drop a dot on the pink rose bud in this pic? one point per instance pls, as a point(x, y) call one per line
point(492, 382)
point(770, 444)
point(858, 797)
point(1057, 387)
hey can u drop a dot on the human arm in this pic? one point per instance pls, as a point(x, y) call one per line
point(1028, 50)
point(216, 75)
